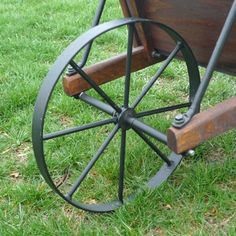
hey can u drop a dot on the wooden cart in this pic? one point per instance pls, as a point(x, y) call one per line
point(197, 32)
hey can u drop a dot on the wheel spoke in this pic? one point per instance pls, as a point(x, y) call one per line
point(78, 129)
point(92, 162)
point(153, 147)
point(96, 103)
point(86, 77)
point(163, 109)
point(137, 124)
point(128, 65)
point(122, 165)
point(157, 75)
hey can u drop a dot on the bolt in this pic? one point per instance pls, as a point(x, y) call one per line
point(70, 71)
point(179, 119)
point(191, 152)
point(156, 54)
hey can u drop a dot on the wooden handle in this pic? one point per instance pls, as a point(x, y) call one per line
point(203, 126)
point(106, 71)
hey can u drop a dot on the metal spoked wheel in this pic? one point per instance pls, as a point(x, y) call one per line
point(122, 119)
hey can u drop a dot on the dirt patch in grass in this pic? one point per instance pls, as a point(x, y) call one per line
point(22, 152)
point(16, 177)
point(19, 153)
point(216, 156)
point(216, 226)
point(66, 121)
point(73, 213)
point(228, 186)
point(156, 231)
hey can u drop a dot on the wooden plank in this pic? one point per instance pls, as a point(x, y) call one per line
point(125, 8)
point(127, 13)
point(131, 9)
point(199, 22)
point(106, 71)
point(203, 126)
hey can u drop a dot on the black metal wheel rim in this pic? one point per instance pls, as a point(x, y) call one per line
point(123, 117)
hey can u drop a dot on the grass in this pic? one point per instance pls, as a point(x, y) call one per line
point(198, 199)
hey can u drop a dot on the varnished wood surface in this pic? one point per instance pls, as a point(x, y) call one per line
point(131, 8)
point(198, 21)
point(203, 126)
point(106, 71)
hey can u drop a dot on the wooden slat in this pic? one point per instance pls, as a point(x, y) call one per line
point(127, 13)
point(106, 71)
point(203, 126)
point(146, 41)
point(132, 8)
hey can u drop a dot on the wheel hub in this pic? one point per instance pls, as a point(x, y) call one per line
point(123, 117)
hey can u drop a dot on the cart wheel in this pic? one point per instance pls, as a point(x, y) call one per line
point(124, 119)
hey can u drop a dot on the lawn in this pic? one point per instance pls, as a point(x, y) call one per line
point(198, 199)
